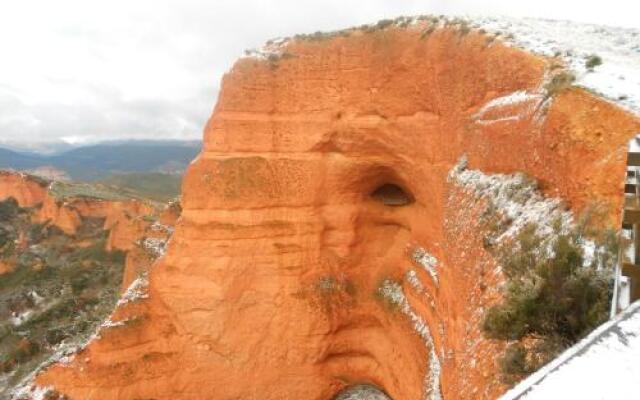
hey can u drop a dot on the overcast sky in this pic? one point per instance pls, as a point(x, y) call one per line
point(89, 70)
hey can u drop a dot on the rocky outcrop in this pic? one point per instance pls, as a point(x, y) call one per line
point(129, 221)
point(68, 213)
point(323, 244)
point(28, 191)
point(59, 214)
point(150, 244)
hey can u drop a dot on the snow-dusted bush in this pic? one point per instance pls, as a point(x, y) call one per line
point(592, 61)
point(559, 82)
point(556, 294)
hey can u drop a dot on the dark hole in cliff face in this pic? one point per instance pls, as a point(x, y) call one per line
point(362, 392)
point(392, 195)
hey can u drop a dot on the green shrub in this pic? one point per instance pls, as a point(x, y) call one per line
point(464, 29)
point(550, 295)
point(23, 352)
point(36, 232)
point(98, 253)
point(514, 363)
point(79, 283)
point(428, 31)
point(593, 61)
point(8, 209)
point(5, 237)
point(384, 23)
point(54, 336)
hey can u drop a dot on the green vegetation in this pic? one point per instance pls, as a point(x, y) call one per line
point(428, 31)
point(61, 289)
point(66, 190)
point(23, 351)
point(554, 296)
point(384, 23)
point(8, 209)
point(11, 217)
point(154, 186)
point(593, 61)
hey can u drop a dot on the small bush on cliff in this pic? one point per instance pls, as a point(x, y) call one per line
point(558, 83)
point(593, 61)
point(8, 209)
point(555, 293)
point(6, 238)
point(514, 361)
point(384, 23)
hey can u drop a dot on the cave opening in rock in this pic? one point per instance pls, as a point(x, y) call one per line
point(362, 392)
point(392, 195)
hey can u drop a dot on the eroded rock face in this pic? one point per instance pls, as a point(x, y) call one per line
point(26, 190)
point(129, 222)
point(287, 279)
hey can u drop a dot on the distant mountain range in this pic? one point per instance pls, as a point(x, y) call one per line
point(98, 161)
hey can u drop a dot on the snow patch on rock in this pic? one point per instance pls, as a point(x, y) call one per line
point(426, 261)
point(137, 290)
point(412, 277)
point(156, 246)
point(534, 99)
point(159, 227)
point(514, 196)
point(33, 392)
point(64, 353)
point(617, 79)
point(393, 292)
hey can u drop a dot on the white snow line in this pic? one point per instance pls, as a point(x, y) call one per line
point(137, 290)
point(392, 291)
point(427, 261)
point(593, 338)
point(512, 118)
point(515, 197)
point(412, 277)
point(518, 97)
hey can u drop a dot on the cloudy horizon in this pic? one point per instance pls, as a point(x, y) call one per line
point(87, 71)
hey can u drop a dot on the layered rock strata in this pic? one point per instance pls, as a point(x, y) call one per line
point(322, 243)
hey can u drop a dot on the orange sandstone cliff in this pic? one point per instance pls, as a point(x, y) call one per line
point(25, 189)
point(323, 242)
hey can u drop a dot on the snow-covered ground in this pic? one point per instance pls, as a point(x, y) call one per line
point(604, 365)
point(617, 79)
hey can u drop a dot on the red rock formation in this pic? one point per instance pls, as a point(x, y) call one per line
point(128, 221)
point(60, 214)
point(113, 211)
point(26, 190)
point(170, 214)
point(286, 279)
point(67, 214)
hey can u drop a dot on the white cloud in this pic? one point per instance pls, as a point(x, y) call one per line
point(149, 69)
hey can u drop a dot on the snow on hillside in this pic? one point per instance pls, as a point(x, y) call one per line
point(617, 78)
point(604, 365)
